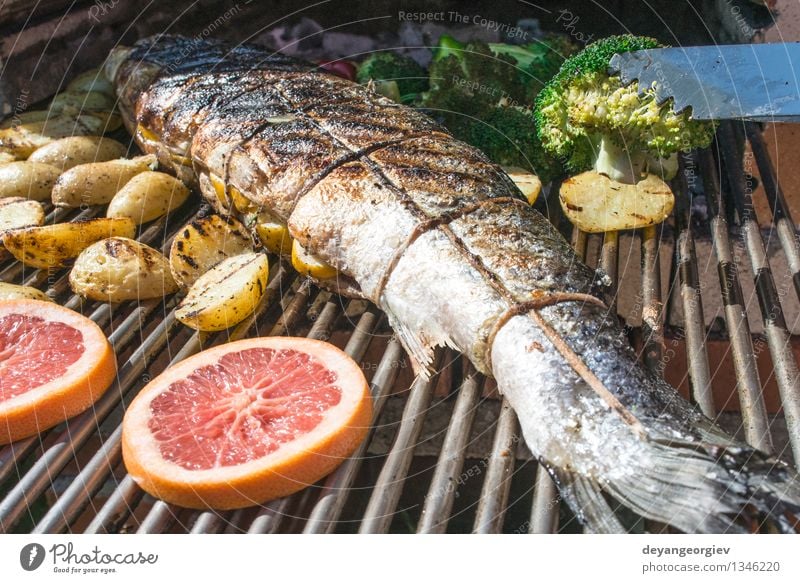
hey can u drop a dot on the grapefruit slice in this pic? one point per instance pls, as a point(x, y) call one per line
point(246, 422)
point(54, 363)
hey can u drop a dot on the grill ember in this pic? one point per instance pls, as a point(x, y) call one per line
point(76, 470)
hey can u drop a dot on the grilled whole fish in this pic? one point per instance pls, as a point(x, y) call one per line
point(437, 236)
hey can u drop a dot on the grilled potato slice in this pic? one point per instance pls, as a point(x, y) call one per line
point(119, 269)
point(69, 152)
point(92, 80)
point(273, 233)
point(594, 203)
point(203, 243)
point(10, 291)
point(24, 136)
point(53, 245)
point(309, 264)
point(227, 294)
point(97, 183)
point(31, 180)
point(147, 196)
point(527, 182)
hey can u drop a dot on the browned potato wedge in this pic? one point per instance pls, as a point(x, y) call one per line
point(527, 182)
point(148, 196)
point(119, 269)
point(10, 291)
point(203, 243)
point(596, 204)
point(96, 183)
point(31, 180)
point(73, 151)
point(227, 294)
point(53, 245)
point(22, 139)
point(92, 80)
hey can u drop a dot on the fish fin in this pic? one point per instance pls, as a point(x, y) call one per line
point(419, 346)
point(586, 499)
point(709, 487)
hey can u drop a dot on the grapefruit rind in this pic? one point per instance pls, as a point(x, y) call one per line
point(76, 390)
point(291, 468)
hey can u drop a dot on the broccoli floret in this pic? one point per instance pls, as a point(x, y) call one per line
point(482, 94)
point(588, 119)
point(388, 67)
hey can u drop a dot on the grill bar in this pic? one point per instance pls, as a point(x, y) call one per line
point(783, 359)
point(692, 303)
point(497, 484)
point(442, 490)
point(754, 412)
point(652, 307)
point(781, 216)
point(386, 493)
point(335, 489)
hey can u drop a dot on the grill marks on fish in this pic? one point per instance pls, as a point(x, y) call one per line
point(436, 179)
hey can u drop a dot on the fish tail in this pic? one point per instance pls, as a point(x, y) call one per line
point(695, 487)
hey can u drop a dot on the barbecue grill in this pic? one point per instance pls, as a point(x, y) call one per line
point(445, 454)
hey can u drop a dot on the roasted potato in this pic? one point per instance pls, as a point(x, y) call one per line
point(75, 102)
point(31, 180)
point(17, 212)
point(148, 196)
point(203, 243)
point(23, 137)
point(97, 183)
point(594, 203)
point(53, 245)
point(10, 291)
point(527, 182)
point(69, 152)
point(309, 264)
point(118, 269)
point(92, 80)
point(273, 233)
point(227, 294)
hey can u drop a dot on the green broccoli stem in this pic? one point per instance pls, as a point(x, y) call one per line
point(619, 163)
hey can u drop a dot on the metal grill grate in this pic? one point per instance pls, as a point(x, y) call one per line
point(71, 478)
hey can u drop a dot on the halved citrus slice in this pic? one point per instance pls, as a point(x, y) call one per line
point(246, 422)
point(54, 363)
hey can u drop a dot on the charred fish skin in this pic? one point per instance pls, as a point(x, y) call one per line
point(439, 238)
